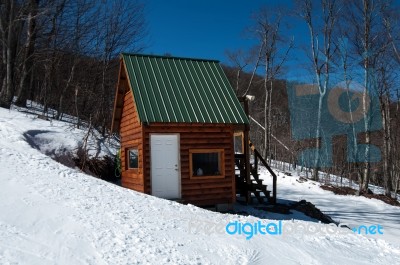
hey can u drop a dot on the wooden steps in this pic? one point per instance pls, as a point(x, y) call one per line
point(255, 187)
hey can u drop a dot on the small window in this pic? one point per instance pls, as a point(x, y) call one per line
point(133, 158)
point(208, 163)
point(238, 141)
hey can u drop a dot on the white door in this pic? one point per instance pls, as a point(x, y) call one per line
point(165, 168)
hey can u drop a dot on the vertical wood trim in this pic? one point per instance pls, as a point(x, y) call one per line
point(233, 174)
point(145, 173)
point(116, 98)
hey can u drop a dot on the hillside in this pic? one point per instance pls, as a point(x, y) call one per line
point(53, 214)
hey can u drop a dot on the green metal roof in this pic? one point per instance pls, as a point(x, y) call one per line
point(171, 89)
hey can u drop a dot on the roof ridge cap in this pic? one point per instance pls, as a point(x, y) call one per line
point(168, 57)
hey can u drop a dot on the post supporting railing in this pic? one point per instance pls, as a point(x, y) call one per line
point(258, 156)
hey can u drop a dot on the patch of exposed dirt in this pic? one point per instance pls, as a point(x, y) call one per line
point(339, 190)
point(303, 206)
point(351, 191)
point(383, 198)
point(103, 168)
point(310, 210)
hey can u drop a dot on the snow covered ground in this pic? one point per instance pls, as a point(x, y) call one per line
point(352, 210)
point(52, 214)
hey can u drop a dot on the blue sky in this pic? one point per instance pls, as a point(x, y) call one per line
point(207, 28)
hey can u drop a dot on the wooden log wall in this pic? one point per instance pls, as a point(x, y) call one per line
point(131, 137)
point(198, 191)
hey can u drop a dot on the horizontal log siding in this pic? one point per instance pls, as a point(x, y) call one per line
point(131, 136)
point(198, 136)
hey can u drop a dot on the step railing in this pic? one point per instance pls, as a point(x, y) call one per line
point(258, 157)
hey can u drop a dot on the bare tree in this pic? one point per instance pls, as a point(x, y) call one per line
point(385, 84)
point(274, 54)
point(346, 63)
point(79, 42)
point(28, 52)
point(370, 44)
point(322, 52)
point(395, 169)
point(387, 67)
point(64, 53)
point(240, 61)
point(117, 30)
point(11, 24)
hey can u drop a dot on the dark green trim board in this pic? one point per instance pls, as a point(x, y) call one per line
point(183, 90)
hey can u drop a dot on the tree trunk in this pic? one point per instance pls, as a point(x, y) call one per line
point(266, 143)
point(27, 64)
point(270, 115)
point(367, 28)
point(76, 107)
point(64, 90)
point(385, 109)
point(4, 18)
point(315, 175)
point(266, 79)
point(8, 91)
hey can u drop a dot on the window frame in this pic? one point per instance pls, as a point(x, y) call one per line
point(127, 158)
point(237, 134)
point(221, 162)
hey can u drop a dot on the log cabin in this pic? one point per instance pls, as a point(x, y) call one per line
point(176, 118)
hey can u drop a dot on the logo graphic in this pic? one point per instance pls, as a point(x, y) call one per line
point(277, 228)
point(347, 109)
